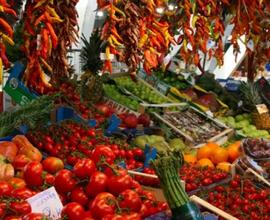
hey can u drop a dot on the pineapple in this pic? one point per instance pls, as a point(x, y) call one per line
point(251, 97)
point(91, 82)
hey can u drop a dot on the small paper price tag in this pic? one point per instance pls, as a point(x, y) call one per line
point(262, 108)
point(47, 203)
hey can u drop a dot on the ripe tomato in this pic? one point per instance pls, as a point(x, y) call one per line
point(78, 195)
point(64, 181)
point(52, 165)
point(33, 174)
point(97, 184)
point(91, 132)
point(132, 216)
point(49, 179)
point(73, 211)
point(84, 168)
point(129, 154)
point(21, 208)
point(102, 205)
point(130, 200)
point(34, 216)
point(113, 217)
point(119, 183)
point(5, 189)
point(13, 217)
point(103, 152)
point(88, 216)
point(138, 153)
point(20, 161)
point(23, 193)
point(17, 183)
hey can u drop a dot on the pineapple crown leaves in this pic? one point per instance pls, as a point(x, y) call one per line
point(90, 53)
point(250, 95)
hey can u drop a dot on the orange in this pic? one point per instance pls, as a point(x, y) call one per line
point(206, 151)
point(205, 162)
point(219, 155)
point(189, 158)
point(234, 151)
point(225, 166)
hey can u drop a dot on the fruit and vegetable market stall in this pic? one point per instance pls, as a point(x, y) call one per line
point(134, 133)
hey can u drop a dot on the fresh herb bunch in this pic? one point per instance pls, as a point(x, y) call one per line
point(33, 114)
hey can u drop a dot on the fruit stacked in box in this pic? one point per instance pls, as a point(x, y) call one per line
point(197, 127)
point(141, 90)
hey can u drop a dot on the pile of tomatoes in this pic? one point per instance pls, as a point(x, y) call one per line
point(92, 190)
point(195, 177)
point(241, 199)
point(71, 141)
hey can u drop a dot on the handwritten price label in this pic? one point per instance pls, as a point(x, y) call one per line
point(262, 108)
point(47, 203)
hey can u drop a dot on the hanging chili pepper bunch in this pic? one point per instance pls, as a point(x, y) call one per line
point(135, 33)
point(6, 34)
point(201, 21)
point(156, 35)
point(252, 19)
point(110, 32)
point(40, 20)
point(67, 32)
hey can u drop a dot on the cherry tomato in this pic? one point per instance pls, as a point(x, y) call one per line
point(129, 154)
point(84, 168)
point(21, 208)
point(102, 205)
point(33, 174)
point(64, 181)
point(91, 132)
point(103, 152)
point(138, 153)
point(97, 184)
point(78, 195)
point(5, 189)
point(52, 165)
point(73, 211)
point(130, 200)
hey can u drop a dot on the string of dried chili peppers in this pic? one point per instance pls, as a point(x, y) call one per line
point(6, 34)
point(40, 19)
point(67, 33)
point(135, 33)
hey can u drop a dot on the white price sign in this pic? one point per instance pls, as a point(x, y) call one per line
point(47, 203)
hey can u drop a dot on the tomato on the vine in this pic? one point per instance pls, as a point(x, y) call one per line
point(103, 152)
point(34, 216)
point(130, 200)
point(52, 165)
point(5, 188)
point(21, 208)
point(119, 183)
point(84, 168)
point(64, 181)
point(113, 217)
point(97, 184)
point(73, 211)
point(102, 205)
point(78, 195)
point(23, 193)
point(33, 174)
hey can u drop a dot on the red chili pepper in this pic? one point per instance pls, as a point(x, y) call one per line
point(6, 27)
point(40, 18)
point(54, 38)
point(45, 43)
point(10, 11)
